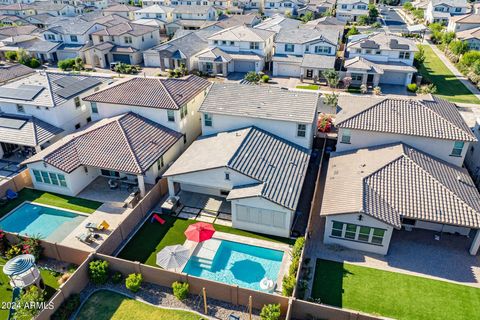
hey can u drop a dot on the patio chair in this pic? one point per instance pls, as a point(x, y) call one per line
point(97, 226)
point(85, 237)
point(10, 194)
point(233, 317)
point(112, 184)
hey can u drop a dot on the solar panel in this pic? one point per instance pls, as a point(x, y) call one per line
point(66, 81)
point(77, 87)
point(12, 123)
point(24, 92)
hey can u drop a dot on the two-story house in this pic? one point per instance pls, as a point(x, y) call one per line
point(351, 10)
point(290, 115)
point(305, 53)
point(41, 107)
point(442, 10)
point(193, 12)
point(278, 22)
point(18, 9)
point(272, 7)
point(463, 22)
point(162, 13)
point(122, 10)
point(380, 58)
point(236, 49)
point(54, 9)
point(124, 42)
point(471, 36)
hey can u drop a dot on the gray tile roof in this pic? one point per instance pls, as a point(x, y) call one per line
point(430, 117)
point(191, 9)
point(128, 143)
point(278, 166)
point(152, 92)
point(18, 30)
point(121, 8)
point(278, 23)
point(383, 41)
point(265, 102)
point(318, 61)
point(25, 130)
point(12, 71)
point(72, 25)
point(126, 28)
point(393, 181)
point(242, 33)
point(471, 18)
point(302, 36)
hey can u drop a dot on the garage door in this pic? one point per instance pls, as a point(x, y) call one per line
point(152, 60)
point(62, 55)
point(244, 66)
point(121, 58)
point(259, 216)
point(288, 70)
point(393, 78)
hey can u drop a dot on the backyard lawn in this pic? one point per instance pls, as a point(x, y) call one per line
point(448, 86)
point(308, 87)
point(393, 294)
point(106, 305)
point(53, 199)
point(153, 237)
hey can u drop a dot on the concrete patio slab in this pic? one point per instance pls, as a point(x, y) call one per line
point(204, 202)
point(187, 215)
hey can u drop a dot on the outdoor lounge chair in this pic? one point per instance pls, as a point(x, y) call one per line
point(97, 226)
point(85, 237)
point(11, 194)
point(112, 184)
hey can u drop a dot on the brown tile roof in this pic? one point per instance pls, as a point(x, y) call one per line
point(394, 181)
point(121, 8)
point(430, 117)
point(125, 28)
point(13, 71)
point(152, 92)
point(127, 143)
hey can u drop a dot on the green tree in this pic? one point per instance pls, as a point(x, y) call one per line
point(408, 6)
point(270, 312)
point(252, 77)
point(436, 27)
point(470, 57)
point(419, 57)
point(448, 37)
point(363, 20)
point(29, 297)
point(331, 99)
point(11, 55)
point(372, 12)
point(23, 57)
point(352, 31)
point(332, 77)
point(458, 47)
point(308, 16)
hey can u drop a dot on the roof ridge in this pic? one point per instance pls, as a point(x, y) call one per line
point(127, 140)
point(168, 92)
point(362, 111)
point(49, 87)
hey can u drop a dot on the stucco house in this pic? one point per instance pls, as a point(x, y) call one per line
point(380, 58)
point(429, 124)
point(305, 53)
point(122, 10)
point(442, 10)
point(290, 115)
point(126, 146)
point(278, 22)
point(464, 22)
point(392, 187)
point(161, 13)
point(258, 174)
point(351, 10)
point(172, 103)
point(471, 36)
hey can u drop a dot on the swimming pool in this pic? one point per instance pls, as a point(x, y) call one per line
point(237, 263)
point(48, 223)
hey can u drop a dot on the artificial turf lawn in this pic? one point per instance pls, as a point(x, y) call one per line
point(153, 237)
point(308, 87)
point(392, 294)
point(49, 278)
point(106, 305)
point(448, 86)
point(53, 199)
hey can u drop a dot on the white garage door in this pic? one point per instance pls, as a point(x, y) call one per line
point(271, 218)
point(393, 78)
point(288, 70)
point(244, 66)
point(152, 60)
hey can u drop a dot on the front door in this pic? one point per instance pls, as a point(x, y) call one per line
point(370, 78)
point(309, 73)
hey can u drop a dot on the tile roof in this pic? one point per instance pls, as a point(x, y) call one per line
point(302, 36)
point(383, 41)
point(467, 18)
point(318, 61)
point(126, 28)
point(238, 20)
point(152, 92)
point(278, 23)
point(428, 117)
point(394, 181)
point(242, 33)
point(451, 3)
point(121, 8)
point(469, 34)
point(12, 71)
point(127, 143)
point(18, 30)
point(71, 25)
point(278, 167)
point(191, 9)
point(266, 102)
point(25, 130)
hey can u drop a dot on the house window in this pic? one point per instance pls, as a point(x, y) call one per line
point(50, 37)
point(355, 232)
point(227, 176)
point(254, 45)
point(378, 52)
point(110, 173)
point(323, 49)
point(183, 111)
point(457, 148)
point(378, 235)
point(160, 163)
point(77, 126)
point(337, 229)
point(404, 55)
point(368, 51)
point(143, 38)
point(100, 38)
point(224, 42)
point(458, 10)
point(207, 120)
point(73, 38)
point(350, 231)
point(362, 7)
point(128, 39)
point(20, 108)
point(346, 135)
point(364, 234)
point(357, 77)
point(215, 41)
point(50, 178)
point(94, 107)
point(232, 43)
point(344, 6)
point(171, 115)
point(77, 102)
point(89, 119)
point(184, 138)
point(289, 47)
point(301, 130)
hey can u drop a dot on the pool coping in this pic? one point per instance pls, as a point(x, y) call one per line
point(218, 235)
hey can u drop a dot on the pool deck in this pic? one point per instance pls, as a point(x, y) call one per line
point(207, 249)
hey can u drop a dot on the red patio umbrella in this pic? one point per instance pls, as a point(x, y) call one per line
point(199, 231)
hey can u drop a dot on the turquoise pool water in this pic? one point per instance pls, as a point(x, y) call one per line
point(238, 264)
point(48, 223)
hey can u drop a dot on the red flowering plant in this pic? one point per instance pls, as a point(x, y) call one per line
point(3, 243)
point(31, 245)
point(324, 123)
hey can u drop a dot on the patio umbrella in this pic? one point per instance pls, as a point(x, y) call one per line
point(199, 231)
point(172, 257)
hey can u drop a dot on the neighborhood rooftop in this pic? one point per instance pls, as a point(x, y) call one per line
point(261, 102)
point(152, 93)
point(139, 142)
point(393, 181)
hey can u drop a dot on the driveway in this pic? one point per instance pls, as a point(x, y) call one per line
point(392, 21)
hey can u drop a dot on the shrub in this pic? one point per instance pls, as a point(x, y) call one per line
point(376, 25)
point(252, 76)
point(13, 252)
point(427, 88)
point(117, 277)
point(66, 64)
point(265, 78)
point(418, 14)
point(294, 266)
point(470, 57)
point(34, 63)
point(408, 6)
point(270, 312)
point(353, 31)
point(458, 47)
point(98, 271)
point(377, 91)
point(448, 37)
point(412, 87)
point(11, 55)
point(3, 243)
point(297, 247)
point(363, 89)
point(30, 297)
point(288, 284)
point(332, 77)
point(363, 20)
point(134, 281)
point(32, 246)
point(180, 290)
point(125, 68)
point(67, 308)
point(419, 57)
point(476, 67)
